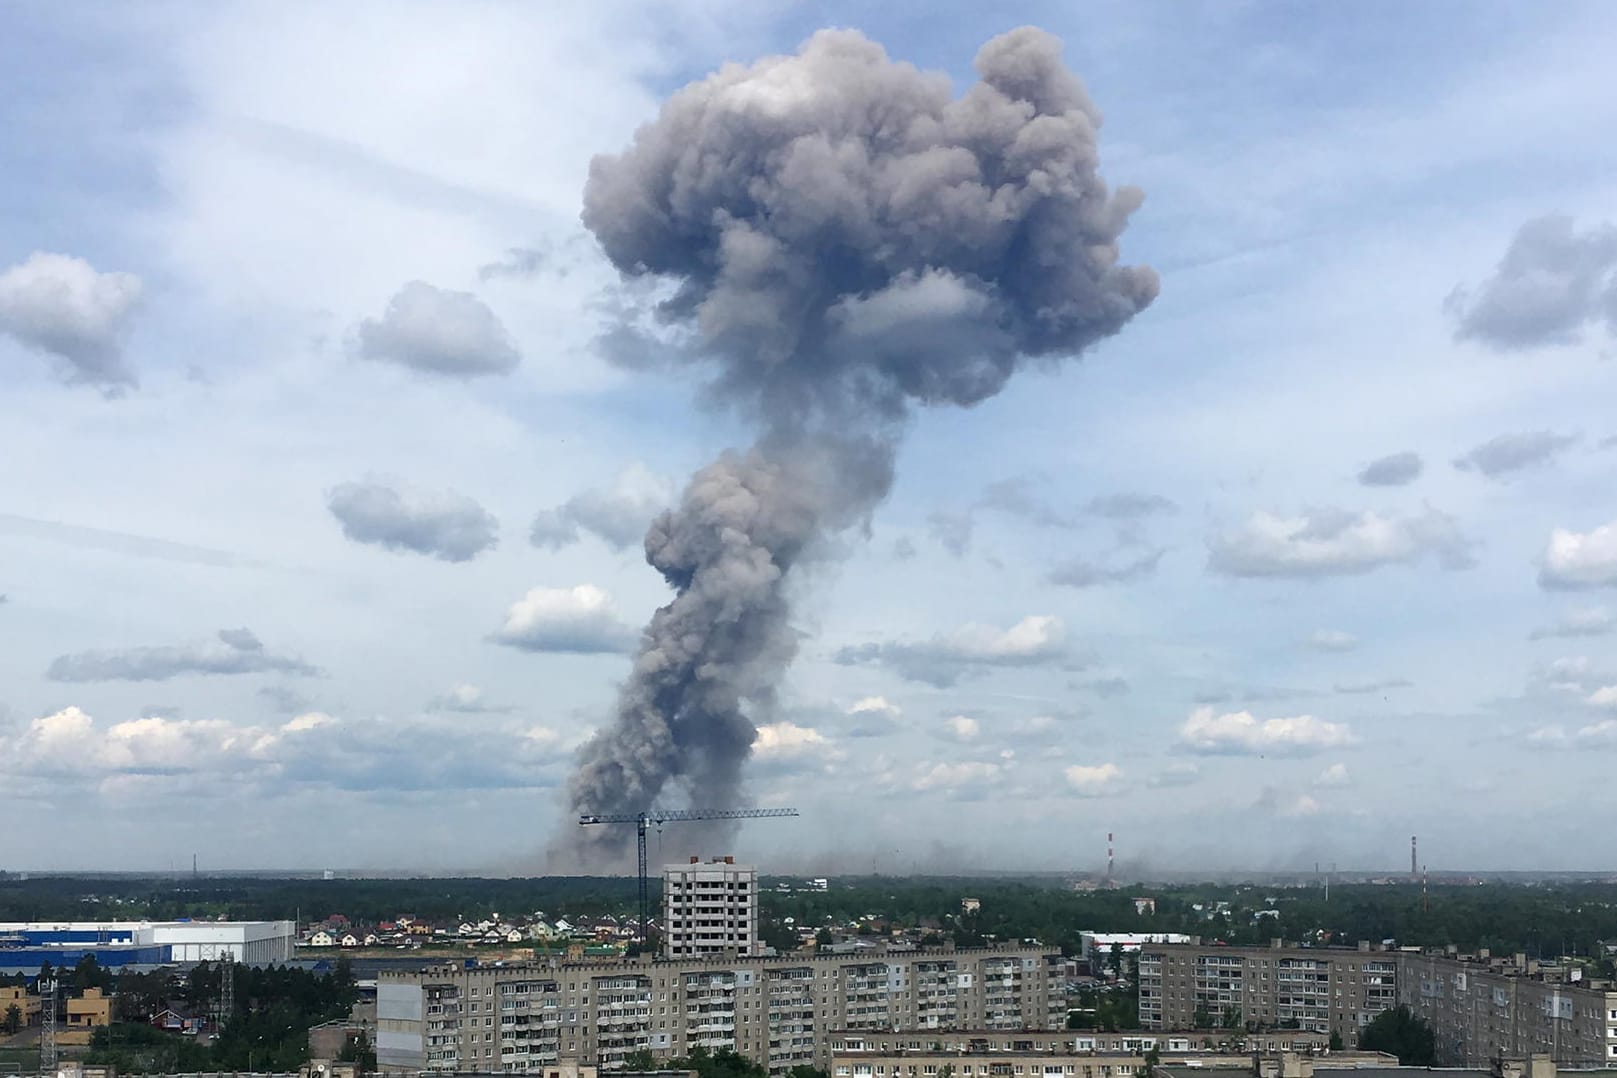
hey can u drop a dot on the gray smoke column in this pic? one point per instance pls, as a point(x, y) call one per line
point(844, 238)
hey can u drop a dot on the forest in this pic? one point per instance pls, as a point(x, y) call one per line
point(1546, 919)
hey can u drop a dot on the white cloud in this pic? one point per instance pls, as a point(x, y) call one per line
point(1332, 640)
point(963, 780)
point(1183, 774)
point(446, 525)
point(1239, 733)
point(962, 728)
point(434, 331)
point(872, 716)
point(1605, 696)
point(1303, 805)
point(618, 516)
point(789, 741)
point(580, 619)
point(1335, 542)
point(1335, 775)
point(1096, 780)
point(1556, 736)
point(1580, 559)
point(62, 305)
point(464, 698)
point(946, 657)
point(1579, 621)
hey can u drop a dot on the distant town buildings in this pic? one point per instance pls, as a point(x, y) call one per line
point(778, 1010)
point(710, 909)
point(1097, 946)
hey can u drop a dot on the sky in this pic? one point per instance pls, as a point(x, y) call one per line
point(325, 477)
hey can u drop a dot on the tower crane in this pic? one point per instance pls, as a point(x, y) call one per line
point(661, 816)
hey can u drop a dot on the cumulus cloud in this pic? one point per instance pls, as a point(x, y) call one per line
point(782, 747)
point(963, 780)
point(1015, 497)
point(1335, 775)
point(1557, 736)
point(64, 307)
point(465, 699)
point(1553, 282)
point(1332, 640)
point(1240, 734)
point(1579, 621)
point(873, 716)
point(617, 515)
point(1605, 696)
point(1575, 560)
point(580, 620)
point(438, 332)
point(1503, 457)
point(237, 651)
point(1394, 470)
point(1084, 573)
point(1176, 775)
point(310, 749)
point(962, 728)
point(1098, 780)
point(947, 657)
point(1336, 542)
point(448, 526)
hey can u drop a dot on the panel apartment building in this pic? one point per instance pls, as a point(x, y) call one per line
point(710, 909)
point(1310, 988)
point(778, 1011)
point(1481, 1008)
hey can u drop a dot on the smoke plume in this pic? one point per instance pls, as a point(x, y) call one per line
point(844, 238)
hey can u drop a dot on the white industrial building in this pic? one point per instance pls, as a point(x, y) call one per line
point(1098, 945)
point(710, 909)
point(254, 943)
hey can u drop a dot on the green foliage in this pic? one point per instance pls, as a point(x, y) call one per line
point(1335, 1044)
point(1201, 1017)
point(1232, 1018)
point(725, 1063)
point(1402, 1033)
point(640, 1060)
point(803, 1070)
point(12, 1021)
point(269, 1029)
point(361, 1051)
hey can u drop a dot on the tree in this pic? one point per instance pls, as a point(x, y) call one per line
point(1402, 1033)
point(1231, 1018)
point(1202, 1018)
point(359, 1050)
point(1153, 1057)
point(13, 1020)
point(1336, 1041)
point(640, 1059)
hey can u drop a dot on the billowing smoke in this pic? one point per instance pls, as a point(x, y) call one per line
point(844, 238)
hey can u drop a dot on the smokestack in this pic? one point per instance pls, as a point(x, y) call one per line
point(1108, 858)
point(844, 241)
point(1414, 874)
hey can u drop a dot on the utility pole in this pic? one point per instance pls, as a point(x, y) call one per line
point(227, 990)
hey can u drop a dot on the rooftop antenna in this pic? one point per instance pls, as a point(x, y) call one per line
point(47, 1024)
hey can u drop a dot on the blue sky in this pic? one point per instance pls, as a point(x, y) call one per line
point(1148, 593)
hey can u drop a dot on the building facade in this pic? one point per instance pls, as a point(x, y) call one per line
point(1320, 989)
point(778, 1011)
point(1076, 1042)
point(710, 909)
point(1481, 1008)
point(24, 946)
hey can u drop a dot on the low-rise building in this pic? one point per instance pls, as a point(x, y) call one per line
point(28, 1005)
point(88, 1012)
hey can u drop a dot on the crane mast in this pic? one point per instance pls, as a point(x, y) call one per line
point(642, 820)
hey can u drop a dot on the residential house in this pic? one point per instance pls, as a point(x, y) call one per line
point(321, 938)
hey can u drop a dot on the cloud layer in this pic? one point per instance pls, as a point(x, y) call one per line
point(580, 620)
point(1336, 542)
point(237, 651)
point(947, 657)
